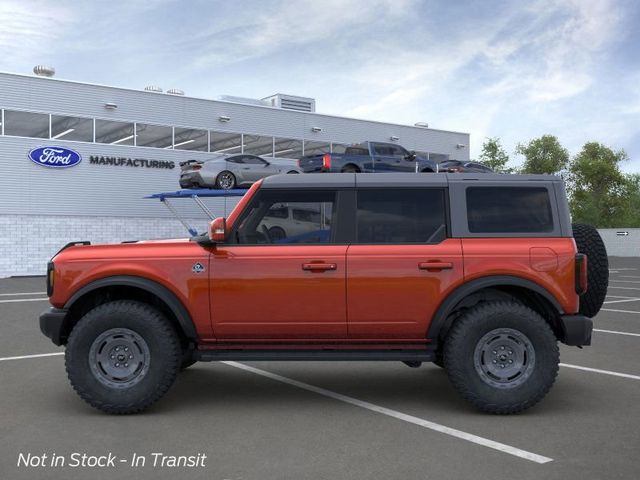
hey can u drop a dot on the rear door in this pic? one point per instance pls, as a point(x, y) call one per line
point(402, 263)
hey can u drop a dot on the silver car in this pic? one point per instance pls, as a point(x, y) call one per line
point(231, 171)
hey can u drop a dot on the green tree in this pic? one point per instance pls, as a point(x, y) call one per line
point(543, 155)
point(494, 156)
point(600, 192)
point(631, 216)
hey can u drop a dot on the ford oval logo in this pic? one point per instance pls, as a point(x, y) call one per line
point(55, 157)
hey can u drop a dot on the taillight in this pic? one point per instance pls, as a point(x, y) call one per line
point(581, 274)
point(326, 161)
point(299, 163)
point(196, 167)
point(455, 169)
point(50, 278)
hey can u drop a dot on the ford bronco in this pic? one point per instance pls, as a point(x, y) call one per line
point(481, 274)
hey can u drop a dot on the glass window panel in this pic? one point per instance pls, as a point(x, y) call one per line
point(224, 142)
point(287, 148)
point(258, 145)
point(115, 133)
point(157, 136)
point(338, 148)
point(26, 124)
point(401, 216)
point(191, 139)
point(316, 148)
point(71, 128)
point(288, 217)
point(509, 210)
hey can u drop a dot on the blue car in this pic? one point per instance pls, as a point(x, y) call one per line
point(368, 157)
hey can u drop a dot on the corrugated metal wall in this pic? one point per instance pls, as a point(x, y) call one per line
point(621, 242)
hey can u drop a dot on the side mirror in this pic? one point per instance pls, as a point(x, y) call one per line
point(411, 157)
point(218, 230)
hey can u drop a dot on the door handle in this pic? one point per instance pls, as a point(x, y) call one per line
point(319, 267)
point(435, 266)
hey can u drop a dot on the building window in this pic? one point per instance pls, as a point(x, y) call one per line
point(26, 124)
point(338, 148)
point(224, 142)
point(287, 148)
point(157, 136)
point(509, 210)
point(191, 139)
point(316, 148)
point(71, 128)
point(401, 216)
point(258, 145)
point(115, 133)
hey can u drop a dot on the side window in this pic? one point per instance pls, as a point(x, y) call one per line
point(399, 151)
point(401, 216)
point(252, 160)
point(509, 210)
point(268, 221)
point(385, 150)
point(238, 159)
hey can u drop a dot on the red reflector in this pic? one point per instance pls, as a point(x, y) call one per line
point(326, 161)
point(196, 167)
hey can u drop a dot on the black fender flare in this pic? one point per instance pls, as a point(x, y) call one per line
point(460, 293)
point(163, 293)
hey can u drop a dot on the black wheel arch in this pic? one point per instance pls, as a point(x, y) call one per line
point(137, 288)
point(495, 287)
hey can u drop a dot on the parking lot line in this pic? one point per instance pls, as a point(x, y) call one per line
point(39, 355)
point(18, 300)
point(23, 293)
point(485, 442)
point(629, 276)
point(618, 311)
point(625, 281)
point(622, 301)
point(616, 332)
point(623, 288)
point(597, 370)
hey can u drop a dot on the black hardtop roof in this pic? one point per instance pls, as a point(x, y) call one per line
point(394, 180)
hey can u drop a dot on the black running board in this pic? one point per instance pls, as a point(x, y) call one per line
point(315, 355)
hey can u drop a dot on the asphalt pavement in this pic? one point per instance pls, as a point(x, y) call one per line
point(315, 420)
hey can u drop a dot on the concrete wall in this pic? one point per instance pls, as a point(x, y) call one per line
point(620, 245)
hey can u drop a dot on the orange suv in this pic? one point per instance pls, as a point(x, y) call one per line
point(481, 274)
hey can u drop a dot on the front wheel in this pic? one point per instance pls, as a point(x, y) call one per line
point(122, 356)
point(502, 357)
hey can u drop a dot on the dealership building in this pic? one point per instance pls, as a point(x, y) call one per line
point(127, 144)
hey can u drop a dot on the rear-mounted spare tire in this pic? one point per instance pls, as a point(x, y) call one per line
point(589, 242)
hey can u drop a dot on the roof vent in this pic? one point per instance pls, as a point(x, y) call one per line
point(175, 91)
point(153, 88)
point(291, 102)
point(44, 71)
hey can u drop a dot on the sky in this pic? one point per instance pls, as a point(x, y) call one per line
point(513, 70)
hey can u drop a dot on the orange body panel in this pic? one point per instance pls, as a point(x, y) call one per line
point(390, 296)
point(549, 262)
point(168, 263)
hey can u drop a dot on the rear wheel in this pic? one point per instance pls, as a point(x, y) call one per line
point(292, 172)
point(122, 356)
point(502, 357)
point(277, 233)
point(225, 180)
point(589, 242)
point(350, 169)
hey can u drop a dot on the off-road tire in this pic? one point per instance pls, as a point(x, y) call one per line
point(460, 360)
point(589, 242)
point(165, 356)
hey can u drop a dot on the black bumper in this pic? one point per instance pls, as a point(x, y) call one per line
point(53, 323)
point(576, 330)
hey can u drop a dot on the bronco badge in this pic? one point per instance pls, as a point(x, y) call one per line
point(197, 268)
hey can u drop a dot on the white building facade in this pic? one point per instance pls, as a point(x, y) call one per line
point(129, 144)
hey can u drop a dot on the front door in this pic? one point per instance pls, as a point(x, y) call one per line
point(274, 280)
point(402, 263)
